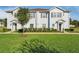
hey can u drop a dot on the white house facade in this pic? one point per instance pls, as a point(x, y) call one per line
point(55, 18)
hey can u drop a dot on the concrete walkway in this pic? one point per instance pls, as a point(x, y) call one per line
point(50, 33)
point(37, 33)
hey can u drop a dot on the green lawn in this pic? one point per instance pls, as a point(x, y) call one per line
point(62, 42)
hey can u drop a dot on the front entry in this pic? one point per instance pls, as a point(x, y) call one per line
point(14, 27)
point(60, 27)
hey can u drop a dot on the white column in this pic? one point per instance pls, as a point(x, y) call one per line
point(36, 19)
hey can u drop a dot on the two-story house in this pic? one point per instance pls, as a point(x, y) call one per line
point(56, 18)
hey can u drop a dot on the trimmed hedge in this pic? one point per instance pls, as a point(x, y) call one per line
point(69, 30)
point(5, 29)
point(37, 30)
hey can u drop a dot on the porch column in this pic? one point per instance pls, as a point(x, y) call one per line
point(36, 18)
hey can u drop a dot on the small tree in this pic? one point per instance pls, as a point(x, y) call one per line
point(23, 16)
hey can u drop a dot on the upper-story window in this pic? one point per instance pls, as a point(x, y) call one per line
point(43, 15)
point(53, 14)
point(15, 14)
point(32, 15)
point(56, 14)
point(59, 14)
point(31, 25)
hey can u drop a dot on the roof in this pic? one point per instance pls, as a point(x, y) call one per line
point(9, 11)
point(39, 9)
point(33, 10)
point(61, 9)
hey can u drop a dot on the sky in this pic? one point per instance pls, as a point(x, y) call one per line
point(74, 15)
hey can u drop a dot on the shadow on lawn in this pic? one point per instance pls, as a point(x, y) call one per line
point(35, 46)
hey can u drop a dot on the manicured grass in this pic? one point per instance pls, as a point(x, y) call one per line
point(62, 42)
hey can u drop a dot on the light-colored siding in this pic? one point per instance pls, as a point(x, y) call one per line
point(38, 21)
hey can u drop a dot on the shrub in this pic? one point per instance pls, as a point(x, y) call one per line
point(21, 30)
point(1, 29)
point(69, 30)
point(35, 46)
point(37, 30)
point(53, 30)
point(5, 29)
point(46, 30)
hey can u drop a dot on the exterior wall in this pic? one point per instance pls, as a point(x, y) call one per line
point(65, 17)
point(41, 21)
point(38, 21)
point(67, 21)
point(53, 20)
point(9, 20)
point(15, 11)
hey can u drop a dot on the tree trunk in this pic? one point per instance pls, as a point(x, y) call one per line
point(23, 31)
point(23, 28)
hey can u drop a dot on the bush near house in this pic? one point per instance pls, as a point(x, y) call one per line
point(76, 29)
point(37, 30)
point(1, 29)
point(4, 29)
point(69, 30)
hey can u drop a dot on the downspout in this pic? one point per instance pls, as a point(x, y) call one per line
point(36, 19)
point(48, 20)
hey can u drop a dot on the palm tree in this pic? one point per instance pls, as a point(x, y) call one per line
point(23, 16)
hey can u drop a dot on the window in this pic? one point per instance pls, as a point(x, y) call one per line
point(32, 15)
point(59, 14)
point(15, 14)
point(56, 14)
point(53, 14)
point(43, 25)
point(31, 25)
point(53, 25)
point(43, 15)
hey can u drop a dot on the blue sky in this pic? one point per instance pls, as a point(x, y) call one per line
point(74, 15)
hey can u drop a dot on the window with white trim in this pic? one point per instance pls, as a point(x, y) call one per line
point(43, 25)
point(56, 14)
point(31, 25)
point(43, 15)
point(32, 15)
point(59, 14)
point(53, 25)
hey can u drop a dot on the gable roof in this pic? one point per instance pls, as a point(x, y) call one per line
point(60, 9)
point(41, 10)
point(9, 11)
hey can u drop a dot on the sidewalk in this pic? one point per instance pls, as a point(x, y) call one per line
point(37, 33)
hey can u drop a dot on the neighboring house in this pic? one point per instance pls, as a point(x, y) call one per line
point(1, 23)
point(56, 18)
point(72, 26)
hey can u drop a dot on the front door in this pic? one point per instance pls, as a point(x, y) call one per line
point(60, 27)
point(14, 27)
